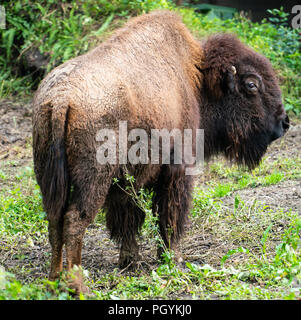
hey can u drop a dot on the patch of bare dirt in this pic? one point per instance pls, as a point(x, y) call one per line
point(289, 145)
point(15, 123)
point(285, 195)
point(15, 138)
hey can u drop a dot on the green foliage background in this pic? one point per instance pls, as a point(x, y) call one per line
point(67, 28)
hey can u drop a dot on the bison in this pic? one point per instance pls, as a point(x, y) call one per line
point(153, 74)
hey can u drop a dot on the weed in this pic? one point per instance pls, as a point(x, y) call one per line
point(143, 199)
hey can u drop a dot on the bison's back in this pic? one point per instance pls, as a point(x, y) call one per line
point(142, 75)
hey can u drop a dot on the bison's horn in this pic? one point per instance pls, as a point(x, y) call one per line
point(233, 69)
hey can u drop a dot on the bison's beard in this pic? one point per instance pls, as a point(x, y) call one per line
point(248, 151)
point(245, 150)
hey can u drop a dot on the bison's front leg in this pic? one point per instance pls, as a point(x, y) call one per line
point(172, 200)
point(124, 219)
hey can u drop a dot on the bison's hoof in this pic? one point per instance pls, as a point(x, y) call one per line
point(75, 281)
point(77, 287)
point(54, 275)
point(127, 260)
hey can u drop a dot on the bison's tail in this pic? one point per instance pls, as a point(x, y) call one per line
point(54, 183)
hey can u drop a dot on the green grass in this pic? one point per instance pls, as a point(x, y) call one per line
point(228, 179)
point(22, 215)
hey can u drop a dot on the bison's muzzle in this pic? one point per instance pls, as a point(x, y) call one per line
point(280, 128)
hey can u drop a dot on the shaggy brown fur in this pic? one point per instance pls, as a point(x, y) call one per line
point(153, 74)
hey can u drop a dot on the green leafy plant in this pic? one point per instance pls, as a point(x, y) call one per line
point(143, 199)
point(279, 16)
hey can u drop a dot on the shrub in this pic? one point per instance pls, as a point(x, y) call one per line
point(68, 28)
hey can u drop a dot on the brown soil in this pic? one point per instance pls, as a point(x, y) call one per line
point(15, 124)
point(15, 138)
point(285, 195)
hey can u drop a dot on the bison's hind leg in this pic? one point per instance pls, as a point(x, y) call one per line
point(171, 201)
point(88, 196)
point(55, 230)
point(124, 220)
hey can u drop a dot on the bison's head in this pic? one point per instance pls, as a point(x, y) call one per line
point(243, 112)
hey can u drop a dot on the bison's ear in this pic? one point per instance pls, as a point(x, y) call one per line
point(221, 51)
point(229, 80)
point(218, 82)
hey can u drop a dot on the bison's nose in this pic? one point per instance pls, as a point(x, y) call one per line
point(286, 124)
point(280, 128)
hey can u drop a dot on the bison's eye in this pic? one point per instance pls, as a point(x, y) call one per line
point(251, 86)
